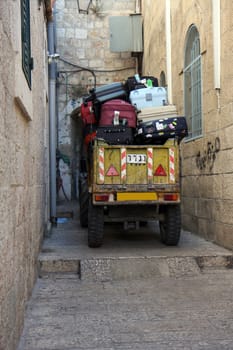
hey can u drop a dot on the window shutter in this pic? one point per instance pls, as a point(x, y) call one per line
point(27, 61)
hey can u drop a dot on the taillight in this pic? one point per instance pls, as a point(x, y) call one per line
point(172, 197)
point(104, 197)
point(101, 197)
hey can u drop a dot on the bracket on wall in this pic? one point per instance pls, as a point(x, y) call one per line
point(83, 6)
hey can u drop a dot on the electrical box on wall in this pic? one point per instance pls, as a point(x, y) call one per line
point(126, 33)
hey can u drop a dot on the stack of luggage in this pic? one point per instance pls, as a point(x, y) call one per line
point(132, 113)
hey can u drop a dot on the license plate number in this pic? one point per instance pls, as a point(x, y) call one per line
point(136, 158)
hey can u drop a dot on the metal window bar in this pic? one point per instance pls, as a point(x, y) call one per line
point(26, 41)
point(193, 100)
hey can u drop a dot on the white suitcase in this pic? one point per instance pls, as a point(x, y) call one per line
point(148, 97)
point(154, 113)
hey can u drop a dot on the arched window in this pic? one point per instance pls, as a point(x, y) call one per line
point(162, 79)
point(193, 83)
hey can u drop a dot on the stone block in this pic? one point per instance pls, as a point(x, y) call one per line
point(81, 34)
point(48, 266)
point(223, 234)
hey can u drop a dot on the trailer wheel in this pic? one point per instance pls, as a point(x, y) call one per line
point(83, 202)
point(170, 227)
point(95, 225)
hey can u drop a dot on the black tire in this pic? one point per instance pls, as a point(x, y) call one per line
point(95, 225)
point(83, 201)
point(171, 226)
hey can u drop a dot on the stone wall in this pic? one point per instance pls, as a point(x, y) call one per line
point(23, 166)
point(207, 162)
point(83, 40)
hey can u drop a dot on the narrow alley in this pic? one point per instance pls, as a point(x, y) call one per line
point(126, 106)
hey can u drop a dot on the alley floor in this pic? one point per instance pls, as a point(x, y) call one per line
point(132, 293)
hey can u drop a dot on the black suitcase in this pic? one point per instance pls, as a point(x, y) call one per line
point(107, 92)
point(132, 84)
point(116, 134)
point(158, 131)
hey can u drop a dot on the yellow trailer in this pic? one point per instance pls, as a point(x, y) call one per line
point(131, 184)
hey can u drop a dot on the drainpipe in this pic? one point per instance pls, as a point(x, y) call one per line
point(216, 42)
point(52, 120)
point(137, 6)
point(168, 50)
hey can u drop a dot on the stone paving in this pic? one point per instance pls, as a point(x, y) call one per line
point(133, 293)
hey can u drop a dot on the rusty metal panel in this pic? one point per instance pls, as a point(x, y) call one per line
point(137, 165)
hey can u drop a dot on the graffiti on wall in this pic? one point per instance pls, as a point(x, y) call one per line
point(205, 160)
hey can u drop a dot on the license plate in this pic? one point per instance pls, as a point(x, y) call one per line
point(136, 158)
point(137, 196)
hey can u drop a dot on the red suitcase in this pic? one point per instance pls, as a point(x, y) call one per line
point(118, 112)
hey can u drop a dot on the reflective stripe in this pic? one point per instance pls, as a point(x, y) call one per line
point(172, 164)
point(150, 163)
point(123, 164)
point(101, 164)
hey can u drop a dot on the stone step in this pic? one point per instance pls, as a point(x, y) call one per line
point(125, 268)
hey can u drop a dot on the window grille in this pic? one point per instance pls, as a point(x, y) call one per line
point(193, 84)
point(27, 61)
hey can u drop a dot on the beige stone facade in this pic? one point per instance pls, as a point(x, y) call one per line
point(207, 161)
point(24, 171)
